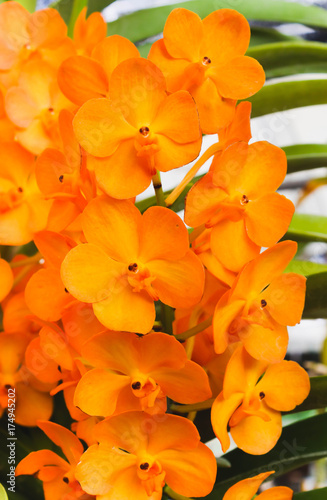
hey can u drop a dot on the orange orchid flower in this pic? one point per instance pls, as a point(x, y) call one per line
point(88, 32)
point(23, 34)
point(246, 489)
point(62, 176)
point(207, 59)
point(17, 317)
point(33, 106)
point(237, 200)
point(138, 129)
point(82, 78)
point(23, 211)
point(45, 293)
point(251, 405)
point(130, 261)
point(137, 373)
point(260, 305)
point(139, 453)
point(57, 474)
point(32, 398)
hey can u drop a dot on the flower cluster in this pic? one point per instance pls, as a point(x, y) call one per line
point(87, 124)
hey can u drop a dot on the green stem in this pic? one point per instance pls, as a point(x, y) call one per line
point(175, 496)
point(194, 407)
point(196, 329)
point(156, 180)
point(26, 262)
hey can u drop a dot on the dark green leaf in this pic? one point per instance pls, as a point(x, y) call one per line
point(305, 227)
point(289, 58)
point(320, 494)
point(288, 95)
point(316, 297)
point(299, 444)
point(98, 5)
point(146, 23)
point(69, 9)
point(305, 157)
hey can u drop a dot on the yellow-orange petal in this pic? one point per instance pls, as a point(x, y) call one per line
point(14, 34)
point(36, 460)
point(221, 412)
point(202, 201)
point(264, 269)
point(247, 488)
point(97, 392)
point(40, 364)
point(183, 34)
point(45, 295)
point(277, 493)
point(285, 385)
point(137, 88)
point(178, 283)
point(226, 35)
point(268, 218)
point(172, 155)
point(125, 310)
point(12, 347)
point(113, 225)
point(266, 344)
point(113, 50)
point(47, 29)
point(224, 315)
point(122, 175)
point(89, 32)
point(188, 385)
point(231, 245)
point(240, 128)
point(100, 127)
point(256, 436)
point(285, 298)
point(172, 68)
point(88, 273)
point(177, 118)
point(7, 279)
point(191, 472)
point(53, 247)
point(32, 405)
point(163, 235)
point(239, 78)
point(70, 444)
point(215, 112)
point(242, 372)
point(81, 78)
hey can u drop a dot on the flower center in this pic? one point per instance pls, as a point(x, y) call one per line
point(206, 60)
point(140, 278)
point(11, 197)
point(145, 131)
point(244, 200)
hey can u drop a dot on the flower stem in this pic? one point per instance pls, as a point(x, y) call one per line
point(192, 172)
point(175, 496)
point(26, 262)
point(196, 329)
point(204, 405)
point(156, 180)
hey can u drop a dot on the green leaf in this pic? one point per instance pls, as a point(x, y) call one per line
point(299, 444)
point(146, 23)
point(305, 267)
point(316, 297)
point(3, 494)
point(29, 5)
point(98, 5)
point(305, 157)
point(289, 58)
point(69, 9)
point(320, 494)
point(288, 95)
point(305, 227)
